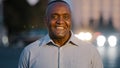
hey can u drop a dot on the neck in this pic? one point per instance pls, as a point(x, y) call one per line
point(61, 41)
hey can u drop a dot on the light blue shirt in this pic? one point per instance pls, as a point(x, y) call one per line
point(75, 53)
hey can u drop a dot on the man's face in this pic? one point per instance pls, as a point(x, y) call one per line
point(59, 20)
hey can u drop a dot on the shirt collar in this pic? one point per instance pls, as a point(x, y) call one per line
point(73, 40)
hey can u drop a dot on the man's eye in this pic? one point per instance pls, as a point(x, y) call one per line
point(66, 17)
point(54, 17)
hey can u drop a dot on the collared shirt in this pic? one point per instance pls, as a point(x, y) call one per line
point(75, 53)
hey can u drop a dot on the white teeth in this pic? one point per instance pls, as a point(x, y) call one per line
point(59, 27)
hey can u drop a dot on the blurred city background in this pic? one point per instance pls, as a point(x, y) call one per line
point(96, 21)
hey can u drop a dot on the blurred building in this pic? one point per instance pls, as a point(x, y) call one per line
point(87, 11)
point(22, 16)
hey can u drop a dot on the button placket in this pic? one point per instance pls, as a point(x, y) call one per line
point(60, 57)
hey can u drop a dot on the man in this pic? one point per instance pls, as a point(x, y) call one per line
point(60, 48)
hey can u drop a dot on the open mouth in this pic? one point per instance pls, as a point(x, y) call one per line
point(59, 27)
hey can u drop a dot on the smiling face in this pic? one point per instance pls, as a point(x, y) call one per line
point(59, 20)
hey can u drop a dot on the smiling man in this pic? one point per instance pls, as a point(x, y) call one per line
point(58, 21)
point(59, 48)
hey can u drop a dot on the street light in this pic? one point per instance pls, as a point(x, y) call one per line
point(101, 40)
point(32, 2)
point(112, 40)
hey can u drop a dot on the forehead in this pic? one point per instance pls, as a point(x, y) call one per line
point(58, 6)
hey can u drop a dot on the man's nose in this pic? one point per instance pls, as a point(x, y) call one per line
point(60, 20)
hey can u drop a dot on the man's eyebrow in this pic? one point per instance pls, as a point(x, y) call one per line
point(54, 14)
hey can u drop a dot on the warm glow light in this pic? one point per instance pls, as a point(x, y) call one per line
point(81, 35)
point(112, 40)
point(88, 36)
point(85, 36)
point(101, 40)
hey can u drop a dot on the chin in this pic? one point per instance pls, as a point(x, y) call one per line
point(60, 36)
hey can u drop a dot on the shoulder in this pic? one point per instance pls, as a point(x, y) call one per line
point(85, 45)
point(92, 49)
point(81, 43)
point(34, 45)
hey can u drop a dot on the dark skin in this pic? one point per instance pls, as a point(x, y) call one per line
point(58, 22)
